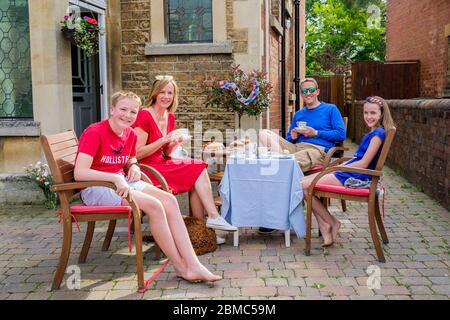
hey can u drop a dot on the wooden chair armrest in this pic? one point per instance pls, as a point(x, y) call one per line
point(156, 174)
point(81, 185)
point(374, 173)
point(330, 154)
point(339, 161)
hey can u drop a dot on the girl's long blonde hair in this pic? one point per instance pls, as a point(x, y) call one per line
point(386, 120)
point(158, 85)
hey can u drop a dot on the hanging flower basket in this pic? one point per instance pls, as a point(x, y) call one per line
point(82, 32)
point(69, 34)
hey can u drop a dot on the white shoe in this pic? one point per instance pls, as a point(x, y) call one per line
point(219, 223)
point(220, 240)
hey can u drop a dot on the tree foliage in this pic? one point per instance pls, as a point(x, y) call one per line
point(339, 32)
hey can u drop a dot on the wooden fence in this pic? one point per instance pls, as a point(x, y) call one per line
point(390, 80)
point(332, 90)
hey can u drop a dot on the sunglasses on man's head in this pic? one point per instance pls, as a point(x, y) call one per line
point(162, 77)
point(306, 90)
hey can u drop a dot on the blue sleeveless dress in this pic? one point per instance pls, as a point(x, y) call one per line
point(342, 176)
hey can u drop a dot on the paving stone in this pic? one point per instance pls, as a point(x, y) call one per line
point(123, 295)
point(276, 282)
point(420, 290)
point(441, 289)
point(413, 281)
point(429, 297)
point(259, 291)
point(399, 297)
point(251, 282)
point(440, 280)
point(392, 290)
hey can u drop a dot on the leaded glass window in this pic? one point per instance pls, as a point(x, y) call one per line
point(15, 60)
point(189, 21)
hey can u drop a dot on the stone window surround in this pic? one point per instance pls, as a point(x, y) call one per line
point(20, 128)
point(158, 33)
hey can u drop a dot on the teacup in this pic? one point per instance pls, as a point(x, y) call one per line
point(179, 152)
point(182, 132)
point(301, 125)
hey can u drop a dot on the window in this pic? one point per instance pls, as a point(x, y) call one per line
point(15, 60)
point(189, 21)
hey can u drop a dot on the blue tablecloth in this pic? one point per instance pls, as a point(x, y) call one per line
point(263, 193)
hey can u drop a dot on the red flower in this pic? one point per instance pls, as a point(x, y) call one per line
point(91, 20)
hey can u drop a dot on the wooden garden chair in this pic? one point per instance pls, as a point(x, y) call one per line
point(60, 151)
point(362, 195)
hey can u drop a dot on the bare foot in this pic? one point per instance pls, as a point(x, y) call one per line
point(335, 228)
point(200, 274)
point(327, 236)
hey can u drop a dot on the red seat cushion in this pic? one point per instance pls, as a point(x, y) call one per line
point(316, 168)
point(342, 190)
point(98, 209)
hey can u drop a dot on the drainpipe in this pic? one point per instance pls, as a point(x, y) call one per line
point(283, 68)
point(267, 52)
point(297, 54)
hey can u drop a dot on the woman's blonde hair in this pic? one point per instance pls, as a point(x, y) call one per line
point(158, 85)
point(386, 120)
point(124, 94)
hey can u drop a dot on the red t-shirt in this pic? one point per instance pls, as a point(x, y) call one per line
point(110, 151)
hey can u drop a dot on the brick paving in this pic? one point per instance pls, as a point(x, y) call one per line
point(417, 267)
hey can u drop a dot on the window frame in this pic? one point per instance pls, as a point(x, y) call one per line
point(167, 26)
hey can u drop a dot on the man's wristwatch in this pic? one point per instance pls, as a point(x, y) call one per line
point(134, 163)
point(316, 132)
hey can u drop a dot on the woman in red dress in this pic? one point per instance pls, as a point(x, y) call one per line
point(156, 141)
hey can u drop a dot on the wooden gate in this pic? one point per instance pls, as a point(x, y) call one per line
point(390, 80)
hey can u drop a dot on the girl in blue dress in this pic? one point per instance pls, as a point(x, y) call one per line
point(378, 118)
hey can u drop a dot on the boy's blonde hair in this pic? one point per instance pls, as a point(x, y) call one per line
point(124, 94)
point(386, 120)
point(158, 85)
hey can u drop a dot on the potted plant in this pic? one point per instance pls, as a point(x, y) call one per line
point(240, 92)
point(82, 32)
point(39, 174)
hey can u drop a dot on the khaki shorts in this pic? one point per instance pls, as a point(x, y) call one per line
point(308, 155)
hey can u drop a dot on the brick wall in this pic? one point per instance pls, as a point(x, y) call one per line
point(421, 147)
point(416, 31)
point(139, 70)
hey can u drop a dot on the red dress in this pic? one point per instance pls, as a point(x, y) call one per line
point(180, 175)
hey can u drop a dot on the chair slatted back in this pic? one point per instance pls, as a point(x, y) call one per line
point(390, 134)
point(60, 151)
point(340, 154)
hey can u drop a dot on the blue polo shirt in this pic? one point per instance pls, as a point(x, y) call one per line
point(326, 119)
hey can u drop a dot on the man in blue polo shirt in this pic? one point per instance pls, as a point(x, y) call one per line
point(314, 129)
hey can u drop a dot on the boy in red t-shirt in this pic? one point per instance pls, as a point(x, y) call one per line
point(107, 147)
